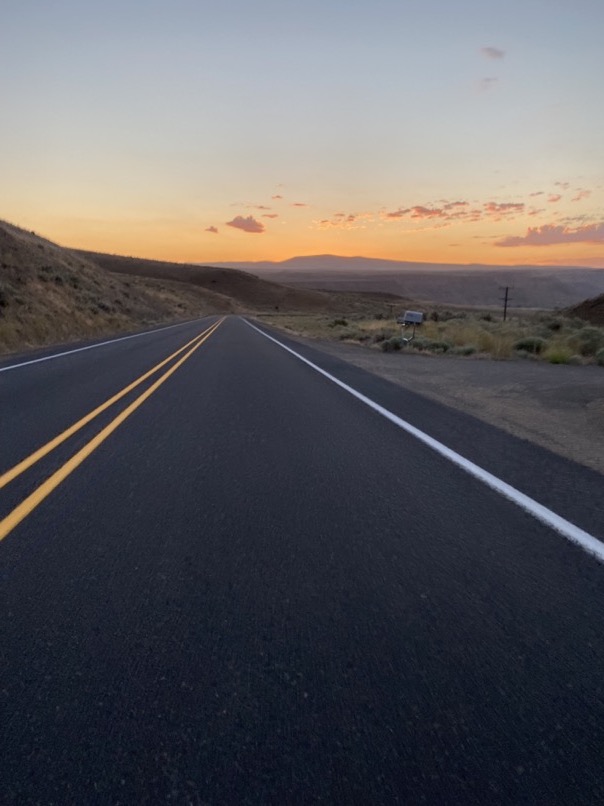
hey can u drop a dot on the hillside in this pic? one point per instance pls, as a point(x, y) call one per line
point(590, 309)
point(49, 294)
point(248, 291)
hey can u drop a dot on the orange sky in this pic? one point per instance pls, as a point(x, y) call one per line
point(428, 131)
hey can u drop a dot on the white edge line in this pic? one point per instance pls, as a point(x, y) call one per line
point(98, 344)
point(565, 528)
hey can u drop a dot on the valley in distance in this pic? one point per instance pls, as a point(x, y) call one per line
point(448, 283)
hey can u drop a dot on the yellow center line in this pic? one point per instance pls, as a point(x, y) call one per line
point(26, 463)
point(44, 490)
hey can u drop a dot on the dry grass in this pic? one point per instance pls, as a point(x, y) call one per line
point(556, 339)
point(49, 294)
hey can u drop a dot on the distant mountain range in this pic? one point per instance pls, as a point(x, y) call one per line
point(337, 263)
point(452, 283)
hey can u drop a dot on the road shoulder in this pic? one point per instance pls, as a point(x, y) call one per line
point(560, 408)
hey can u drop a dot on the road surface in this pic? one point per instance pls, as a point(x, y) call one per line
point(237, 583)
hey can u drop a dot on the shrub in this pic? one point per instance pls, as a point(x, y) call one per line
point(395, 343)
point(554, 325)
point(338, 323)
point(591, 340)
point(600, 357)
point(439, 346)
point(420, 343)
point(530, 344)
point(558, 354)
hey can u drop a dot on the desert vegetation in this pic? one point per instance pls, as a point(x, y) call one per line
point(556, 338)
point(50, 295)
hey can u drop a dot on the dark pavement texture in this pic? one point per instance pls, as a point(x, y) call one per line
point(259, 591)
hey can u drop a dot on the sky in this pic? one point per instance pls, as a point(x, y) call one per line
point(421, 130)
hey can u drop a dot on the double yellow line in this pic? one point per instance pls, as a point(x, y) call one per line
point(27, 506)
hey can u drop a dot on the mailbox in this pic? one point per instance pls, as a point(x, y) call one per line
point(410, 318)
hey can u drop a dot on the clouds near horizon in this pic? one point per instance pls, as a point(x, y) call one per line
point(460, 211)
point(552, 234)
point(246, 224)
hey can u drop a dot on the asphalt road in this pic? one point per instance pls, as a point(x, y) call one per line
point(255, 589)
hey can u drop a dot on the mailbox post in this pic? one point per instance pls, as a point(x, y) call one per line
point(408, 319)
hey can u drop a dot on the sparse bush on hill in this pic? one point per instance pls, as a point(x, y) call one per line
point(49, 294)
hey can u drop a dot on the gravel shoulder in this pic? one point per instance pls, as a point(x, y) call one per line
point(559, 407)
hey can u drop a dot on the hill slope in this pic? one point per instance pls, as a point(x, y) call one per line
point(248, 291)
point(590, 309)
point(49, 294)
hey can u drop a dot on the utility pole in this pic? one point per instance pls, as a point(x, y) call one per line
point(505, 303)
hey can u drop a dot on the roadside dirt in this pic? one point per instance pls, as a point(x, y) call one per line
point(559, 407)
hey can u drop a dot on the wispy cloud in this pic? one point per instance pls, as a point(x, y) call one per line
point(455, 205)
point(486, 84)
point(246, 224)
point(492, 53)
point(550, 234)
point(277, 196)
point(346, 221)
point(554, 198)
point(458, 211)
point(562, 185)
point(581, 194)
point(299, 204)
point(500, 210)
point(270, 215)
point(212, 229)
